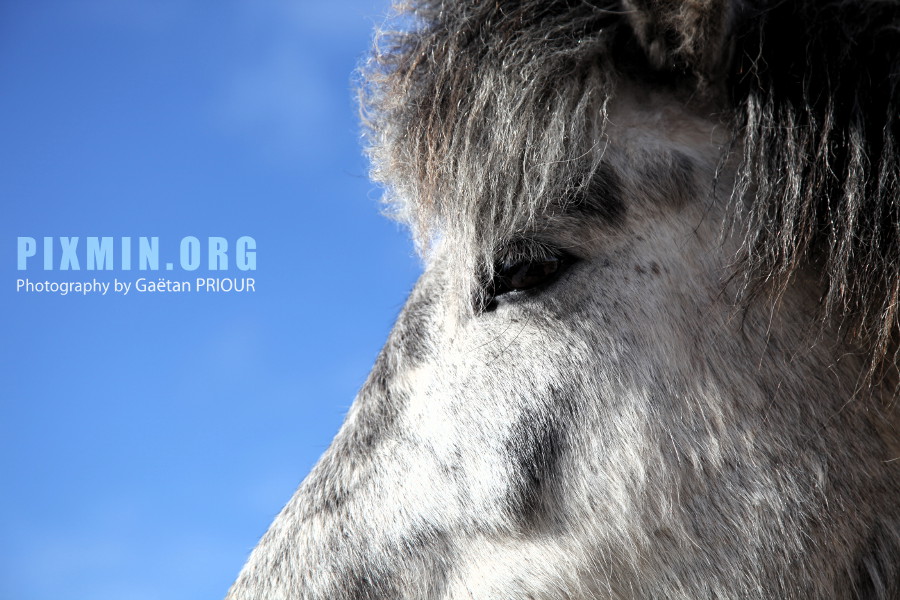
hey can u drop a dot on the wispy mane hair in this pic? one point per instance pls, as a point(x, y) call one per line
point(479, 112)
point(815, 92)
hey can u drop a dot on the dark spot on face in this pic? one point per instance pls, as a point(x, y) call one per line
point(410, 339)
point(602, 198)
point(329, 499)
point(536, 463)
point(670, 178)
point(681, 177)
point(365, 583)
point(372, 571)
point(536, 450)
point(432, 547)
point(641, 269)
point(374, 419)
point(378, 405)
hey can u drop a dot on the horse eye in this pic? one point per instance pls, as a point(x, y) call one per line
point(527, 274)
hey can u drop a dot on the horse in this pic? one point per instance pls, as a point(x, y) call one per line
point(654, 350)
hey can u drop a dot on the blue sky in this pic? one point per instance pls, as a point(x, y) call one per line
point(147, 441)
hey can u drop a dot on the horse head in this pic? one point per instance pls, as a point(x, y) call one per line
point(653, 352)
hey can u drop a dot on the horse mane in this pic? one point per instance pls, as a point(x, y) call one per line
point(480, 112)
point(815, 94)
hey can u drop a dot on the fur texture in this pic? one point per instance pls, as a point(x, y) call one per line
point(818, 114)
point(700, 402)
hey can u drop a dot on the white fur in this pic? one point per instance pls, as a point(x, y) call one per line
point(705, 449)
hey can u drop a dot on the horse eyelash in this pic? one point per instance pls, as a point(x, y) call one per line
point(522, 250)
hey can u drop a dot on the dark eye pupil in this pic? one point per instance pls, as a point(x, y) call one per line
point(521, 275)
point(526, 275)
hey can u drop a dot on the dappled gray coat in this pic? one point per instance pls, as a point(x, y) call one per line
point(654, 351)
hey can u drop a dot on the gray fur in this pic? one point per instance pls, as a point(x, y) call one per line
point(703, 404)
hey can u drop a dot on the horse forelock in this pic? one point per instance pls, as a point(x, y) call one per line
point(482, 114)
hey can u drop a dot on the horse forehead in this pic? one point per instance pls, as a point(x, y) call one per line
point(643, 132)
point(639, 126)
point(654, 119)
